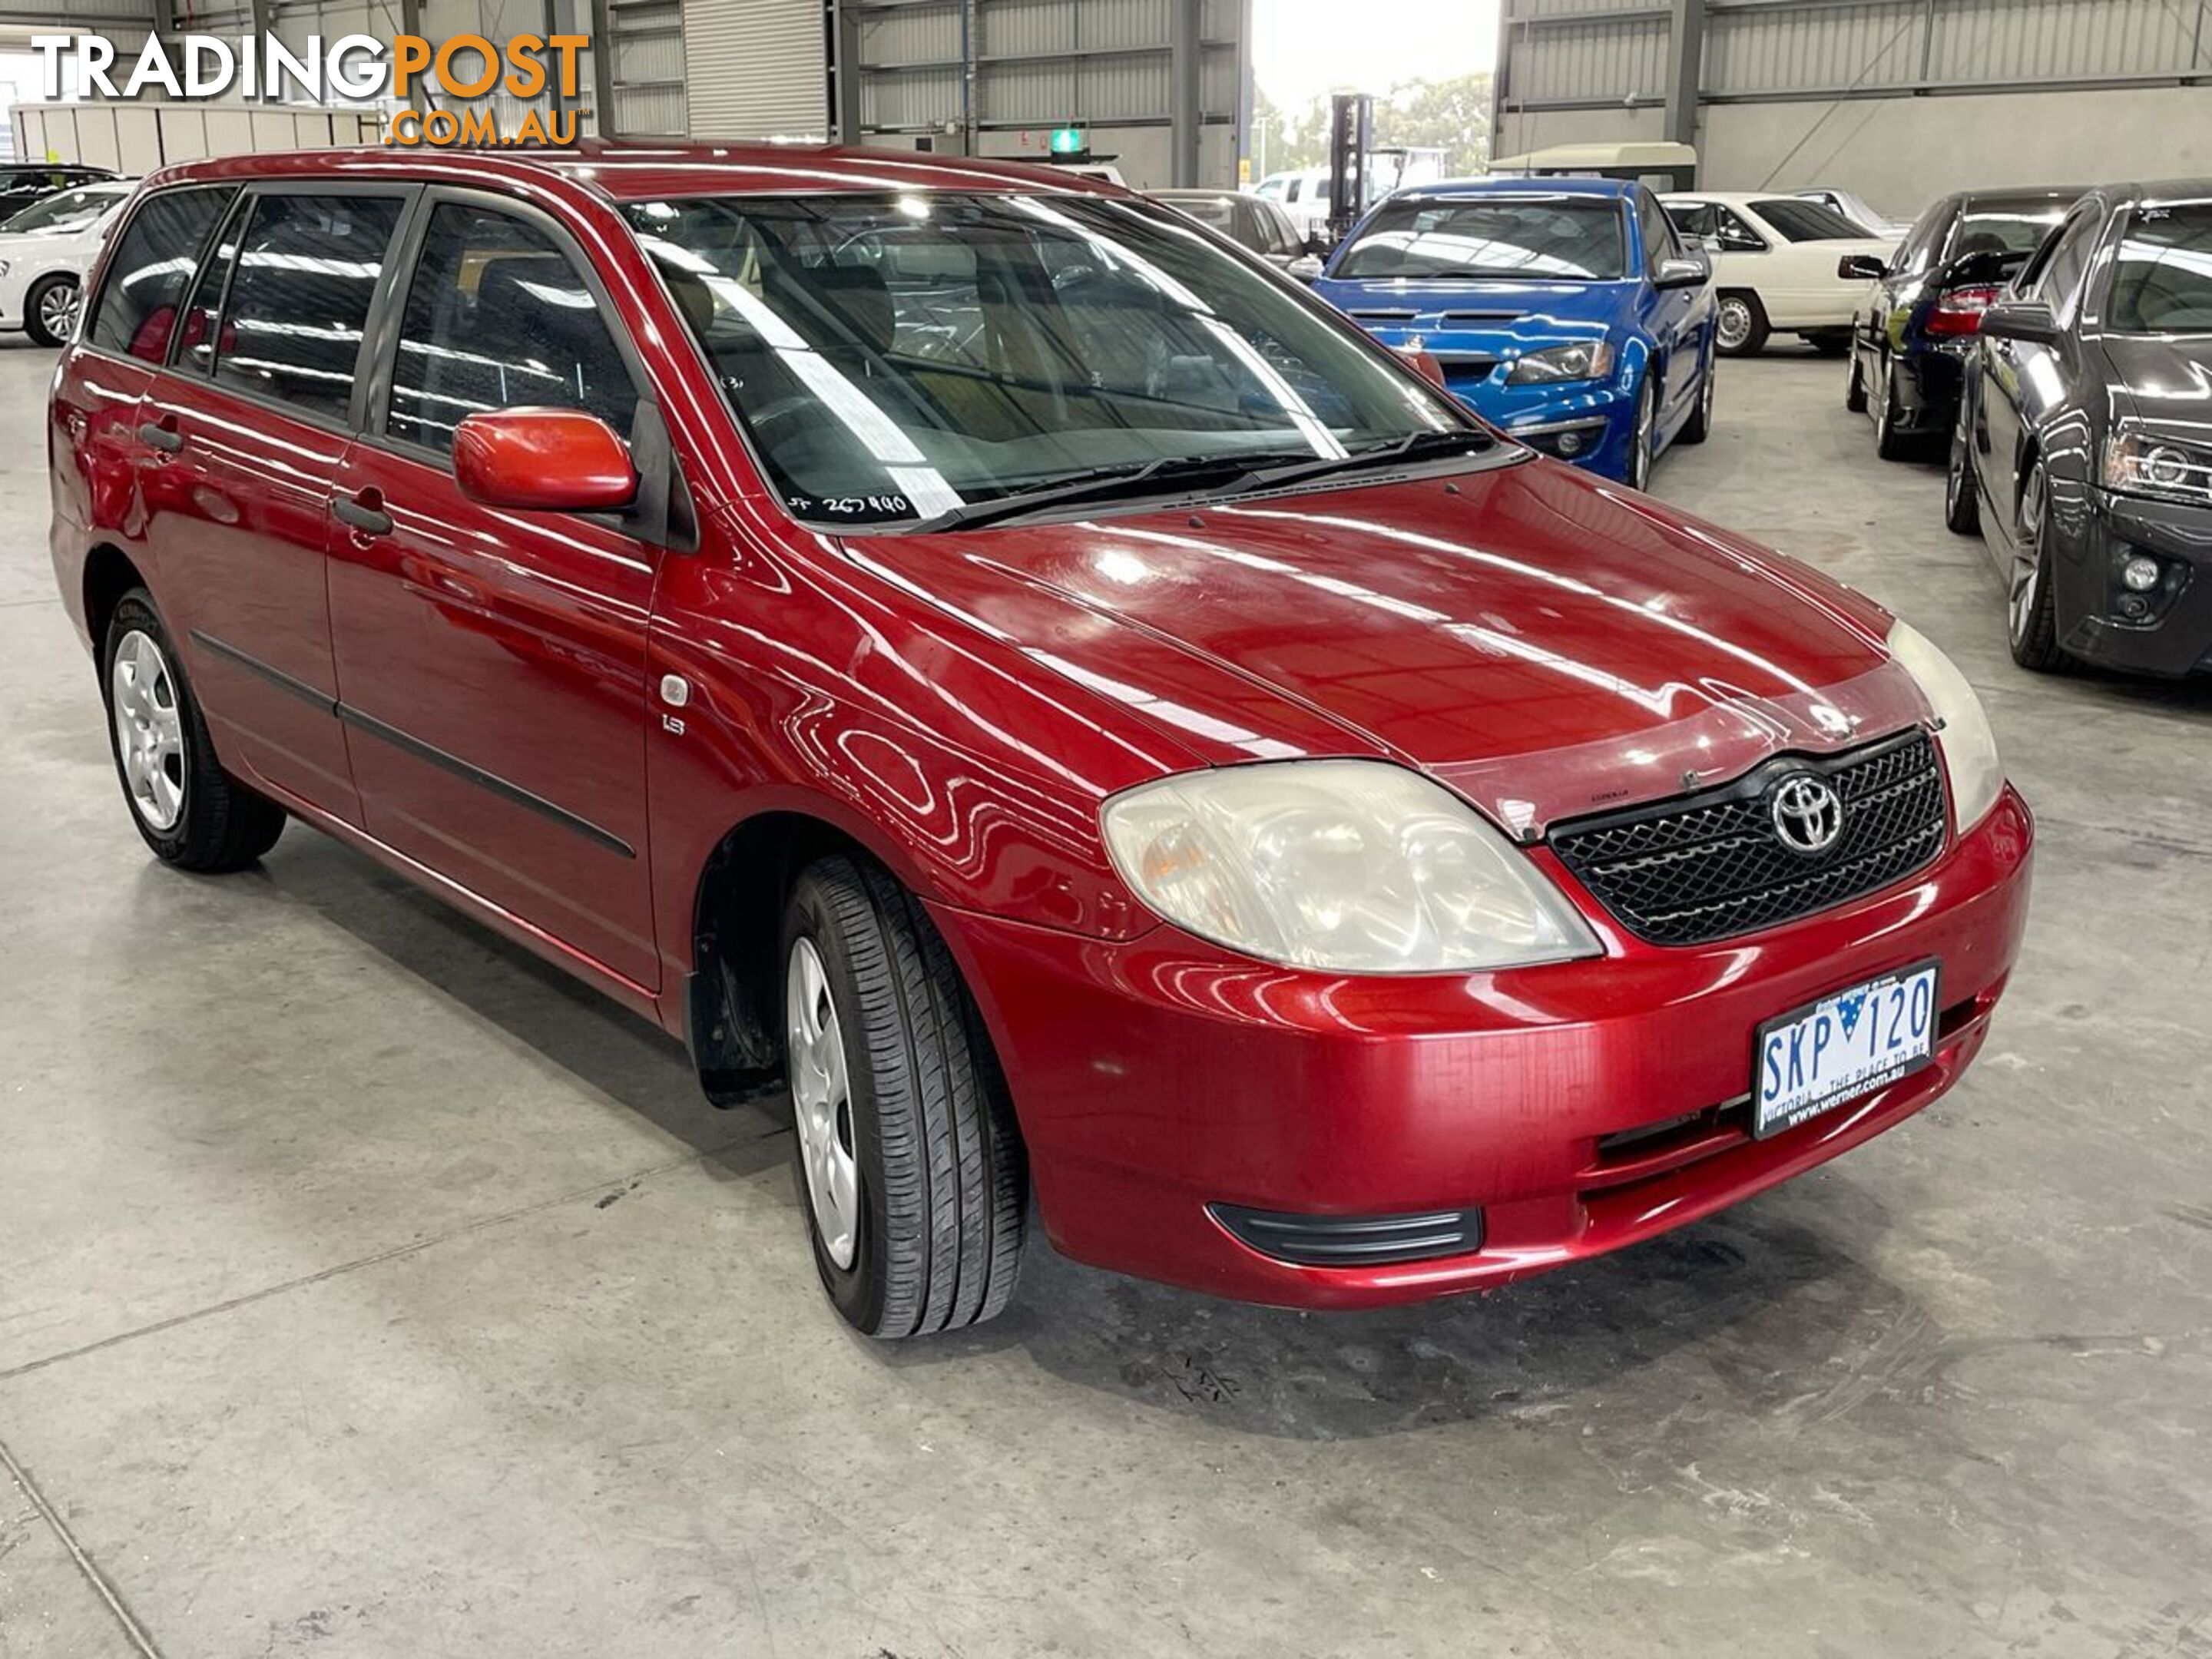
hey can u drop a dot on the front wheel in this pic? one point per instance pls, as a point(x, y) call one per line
point(192, 813)
point(909, 1166)
point(1638, 473)
point(49, 310)
point(2031, 613)
point(1962, 507)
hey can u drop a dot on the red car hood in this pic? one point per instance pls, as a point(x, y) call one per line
point(1545, 643)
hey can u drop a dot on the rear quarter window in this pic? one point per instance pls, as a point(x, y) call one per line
point(135, 311)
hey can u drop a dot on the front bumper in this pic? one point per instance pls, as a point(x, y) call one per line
point(1580, 1106)
point(2166, 631)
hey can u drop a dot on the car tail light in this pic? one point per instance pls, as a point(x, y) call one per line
point(1959, 310)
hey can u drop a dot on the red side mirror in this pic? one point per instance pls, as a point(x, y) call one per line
point(543, 461)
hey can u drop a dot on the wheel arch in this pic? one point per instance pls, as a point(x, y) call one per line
point(109, 573)
point(730, 1023)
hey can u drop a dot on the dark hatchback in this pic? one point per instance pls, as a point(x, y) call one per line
point(1914, 334)
point(2083, 449)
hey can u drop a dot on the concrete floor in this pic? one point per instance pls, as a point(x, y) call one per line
point(366, 1288)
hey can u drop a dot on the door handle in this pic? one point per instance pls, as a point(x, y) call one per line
point(364, 511)
point(161, 434)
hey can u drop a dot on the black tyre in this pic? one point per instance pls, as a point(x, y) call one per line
point(1890, 441)
point(1741, 329)
point(1962, 507)
point(909, 1166)
point(2032, 621)
point(1700, 426)
point(1855, 392)
point(49, 310)
point(192, 812)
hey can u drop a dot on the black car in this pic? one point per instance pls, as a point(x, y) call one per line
point(2083, 448)
point(1251, 222)
point(1916, 329)
point(22, 183)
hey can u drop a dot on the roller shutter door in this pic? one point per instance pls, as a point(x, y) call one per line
point(755, 68)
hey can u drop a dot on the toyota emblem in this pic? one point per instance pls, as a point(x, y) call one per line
point(1808, 815)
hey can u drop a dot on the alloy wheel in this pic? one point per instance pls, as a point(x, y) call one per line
point(822, 1102)
point(58, 309)
point(2026, 571)
point(150, 730)
point(1733, 327)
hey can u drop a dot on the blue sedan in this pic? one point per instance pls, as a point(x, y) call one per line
point(1566, 311)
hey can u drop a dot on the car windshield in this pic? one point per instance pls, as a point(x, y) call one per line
point(900, 358)
point(1997, 228)
point(1807, 222)
point(1491, 238)
point(2163, 273)
point(69, 211)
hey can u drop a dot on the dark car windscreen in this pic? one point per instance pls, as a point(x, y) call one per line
point(1796, 221)
point(2162, 272)
point(897, 357)
point(2002, 228)
point(1493, 238)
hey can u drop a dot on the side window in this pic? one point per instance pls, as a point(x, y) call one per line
point(1912, 258)
point(1692, 218)
point(307, 269)
point(1651, 221)
point(2063, 261)
point(137, 310)
point(496, 316)
point(197, 337)
point(1734, 234)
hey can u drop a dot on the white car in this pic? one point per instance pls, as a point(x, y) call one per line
point(45, 252)
point(1774, 266)
point(1856, 209)
point(1304, 196)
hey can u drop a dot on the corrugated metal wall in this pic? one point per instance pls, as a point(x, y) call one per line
point(645, 46)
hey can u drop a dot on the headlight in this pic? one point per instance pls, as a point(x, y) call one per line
point(1970, 749)
point(1356, 866)
point(2142, 465)
point(1588, 359)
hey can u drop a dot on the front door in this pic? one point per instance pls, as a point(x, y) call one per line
point(493, 661)
point(245, 432)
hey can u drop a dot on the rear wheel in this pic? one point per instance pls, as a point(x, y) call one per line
point(2031, 617)
point(908, 1163)
point(192, 812)
point(1700, 426)
point(1855, 392)
point(1740, 328)
point(1890, 441)
point(49, 310)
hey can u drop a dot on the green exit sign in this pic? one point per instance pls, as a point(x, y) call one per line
point(1068, 140)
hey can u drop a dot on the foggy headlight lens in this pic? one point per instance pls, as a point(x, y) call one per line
point(1970, 749)
point(1357, 866)
point(1588, 360)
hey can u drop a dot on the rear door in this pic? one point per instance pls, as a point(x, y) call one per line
point(494, 661)
point(246, 431)
point(2022, 382)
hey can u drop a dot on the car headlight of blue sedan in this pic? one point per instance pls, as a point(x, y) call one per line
point(1583, 360)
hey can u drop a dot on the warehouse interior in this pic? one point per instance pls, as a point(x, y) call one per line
point(370, 1285)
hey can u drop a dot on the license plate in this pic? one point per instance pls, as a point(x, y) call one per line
point(1850, 1042)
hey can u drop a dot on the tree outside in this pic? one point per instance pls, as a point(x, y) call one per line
point(1451, 115)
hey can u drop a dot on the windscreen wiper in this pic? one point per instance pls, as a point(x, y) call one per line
point(1413, 446)
point(1119, 482)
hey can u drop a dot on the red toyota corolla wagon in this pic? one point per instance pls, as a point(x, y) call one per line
point(980, 648)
